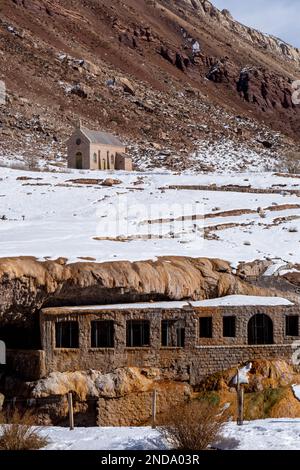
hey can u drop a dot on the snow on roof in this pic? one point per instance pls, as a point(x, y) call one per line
point(98, 137)
point(231, 300)
point(236, 300)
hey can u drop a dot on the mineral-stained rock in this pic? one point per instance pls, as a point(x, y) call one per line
point(26, 284)
point(264, 374)
point(93, 383)
point(124, 396)
point(268, 395)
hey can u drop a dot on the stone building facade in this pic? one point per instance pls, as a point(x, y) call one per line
point(94, 150)
point(187, 342)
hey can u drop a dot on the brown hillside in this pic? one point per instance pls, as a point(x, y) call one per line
point(57, 56)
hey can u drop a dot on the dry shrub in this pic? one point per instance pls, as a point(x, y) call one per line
point(194, 426)
point(291, 162)
point(18, 432)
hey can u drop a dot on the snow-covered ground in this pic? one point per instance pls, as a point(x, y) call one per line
point(52, 217)
point(142, 438)
point(268, 434)
point(265, 434)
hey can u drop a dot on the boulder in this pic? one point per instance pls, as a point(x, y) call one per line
point(80, 90)
point(126, 85)
point(110, 182)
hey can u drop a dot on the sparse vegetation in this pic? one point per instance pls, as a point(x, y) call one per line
point(194, 426)
point(18, 432)
point(258, 405)
point(292, 162)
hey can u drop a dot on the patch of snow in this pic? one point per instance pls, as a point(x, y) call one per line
point(196, 47)
point(230, 300)
point(274, 268)
point(296, 390)
point(288, 271)
point(239, 300)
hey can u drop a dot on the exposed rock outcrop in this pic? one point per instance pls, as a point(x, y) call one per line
point(268, 395)
point(224, 18)
point(93, 383)
point(120, 398)
point(26, 284)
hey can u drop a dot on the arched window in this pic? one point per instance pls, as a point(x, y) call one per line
point(78, 141)
point(95, 157)
point(260, 330)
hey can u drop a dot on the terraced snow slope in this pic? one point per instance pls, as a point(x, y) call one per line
point(47, 215)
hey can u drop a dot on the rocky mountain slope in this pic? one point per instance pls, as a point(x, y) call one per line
point(169, 77)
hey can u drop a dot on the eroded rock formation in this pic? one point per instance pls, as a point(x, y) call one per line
point(26, 284)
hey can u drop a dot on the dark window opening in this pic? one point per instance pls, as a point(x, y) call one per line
point(292, 325)
point(172, 334)
point(78, 141)
point(102, 334)
point(206, 327)
point(260, 330)
point(17, 337)
point(229, 327)
point(137, 333)
point(67, 334)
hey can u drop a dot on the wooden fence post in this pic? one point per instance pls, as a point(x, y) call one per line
point(71, 411)
point(154, 400)
point(240, 400)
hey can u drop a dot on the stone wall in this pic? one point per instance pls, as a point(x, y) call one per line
point(198, 358)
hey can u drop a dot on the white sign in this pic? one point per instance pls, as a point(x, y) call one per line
point(2, 353)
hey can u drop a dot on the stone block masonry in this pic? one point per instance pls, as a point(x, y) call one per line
point(191, 357)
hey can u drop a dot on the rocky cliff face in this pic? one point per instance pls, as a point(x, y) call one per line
point(192, 74)
point(26, 285)
point(257, 38)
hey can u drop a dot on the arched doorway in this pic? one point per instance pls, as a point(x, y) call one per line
point(260, 330)
point(79, 161)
